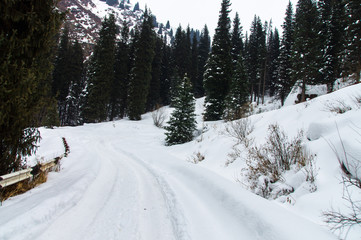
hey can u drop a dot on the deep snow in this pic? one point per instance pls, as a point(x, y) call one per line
point(121, 182)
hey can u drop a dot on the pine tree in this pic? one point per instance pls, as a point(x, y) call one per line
point(256, 57)
point(273, 55)
point(332, 40)
point(62, 75)
point(219, 67)
point(285, 83)
point(154, 88)
point(101, 75)
point(194, 65)
point(353, 33)
point(239, 92)
point(75, 97)
point(120, 84)
point(236, 40)
point(141, 73)
point(203, 52)
point(27, 35)
point(182, 123)
point(181, 52)
point(165, 75)
point(306, 48)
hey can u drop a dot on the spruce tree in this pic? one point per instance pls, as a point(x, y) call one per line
point(256, 57)
point(332, 40)
point(27, 35)
point(182, 123)
point(306, 48)
point(218, 72)
point(236, 40)
point(193, 74)
point(166, 72)
point(203, 52)
point(273, 55)
point(141, 73)
point(353, 33)
point(101, 75)
point(75, 96)
point(284, 82)
point(239, 93)
point(120, 84)
point(153, 100)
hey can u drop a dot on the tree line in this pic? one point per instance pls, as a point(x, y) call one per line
point(130, 72)
point(320, 43)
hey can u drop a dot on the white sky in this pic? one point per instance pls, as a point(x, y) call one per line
point(197, 13)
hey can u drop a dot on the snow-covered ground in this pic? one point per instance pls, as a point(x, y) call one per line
point(120, 181)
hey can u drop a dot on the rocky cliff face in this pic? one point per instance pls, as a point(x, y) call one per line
point(84, 18)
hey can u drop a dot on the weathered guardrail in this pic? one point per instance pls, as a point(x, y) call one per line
point(16, 177)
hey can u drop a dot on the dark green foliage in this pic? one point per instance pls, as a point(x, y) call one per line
point(272, 65)
point(203, 52)
point(306, 48)
point(165, 75)
point(332, 39)
point(218, 75)
point(181, 52)
point(284, 82)
point(154, 89)
point(256, 57)
point(75, 98)
point(239, 93)
point(236, 40)
point(119, 91)
point(182, 123)
point(101, 73)
point(27, 35)
point(136, 7)
point(193, 74)
point(353, 33)
point(141, 74)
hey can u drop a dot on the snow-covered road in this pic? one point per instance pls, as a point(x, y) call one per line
point(121, 182)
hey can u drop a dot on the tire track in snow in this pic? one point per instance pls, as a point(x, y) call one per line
point(175, 213)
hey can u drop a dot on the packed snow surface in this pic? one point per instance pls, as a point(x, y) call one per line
point(120, 181)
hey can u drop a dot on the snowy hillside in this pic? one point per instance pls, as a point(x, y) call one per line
point(120, 181)
point(85, 17)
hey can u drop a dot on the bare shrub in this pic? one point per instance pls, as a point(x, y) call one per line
point(197, 157)
point(159, 116)
point(266, 164)
point(338, 107)
point(351, 180)
point(241, 129)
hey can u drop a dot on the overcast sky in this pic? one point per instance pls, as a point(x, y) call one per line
point(197, 13)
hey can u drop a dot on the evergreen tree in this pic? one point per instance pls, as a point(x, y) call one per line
point(62, 74)
point(75, 96)
point(332, 40)
point(239, 93)
point(181, 52)
point(165, 75)
point(236, 40)
point(306, 48)
point(219, 67)
point(203, 52)
point(27, 35)
point(154, 89)
point(101, 75)
point(273, 55)
point(353, 33)
point(141, 73)
point(182, 122)
point(120, 84)
point(256, 57)
point(194, 65)
point(285, 83)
